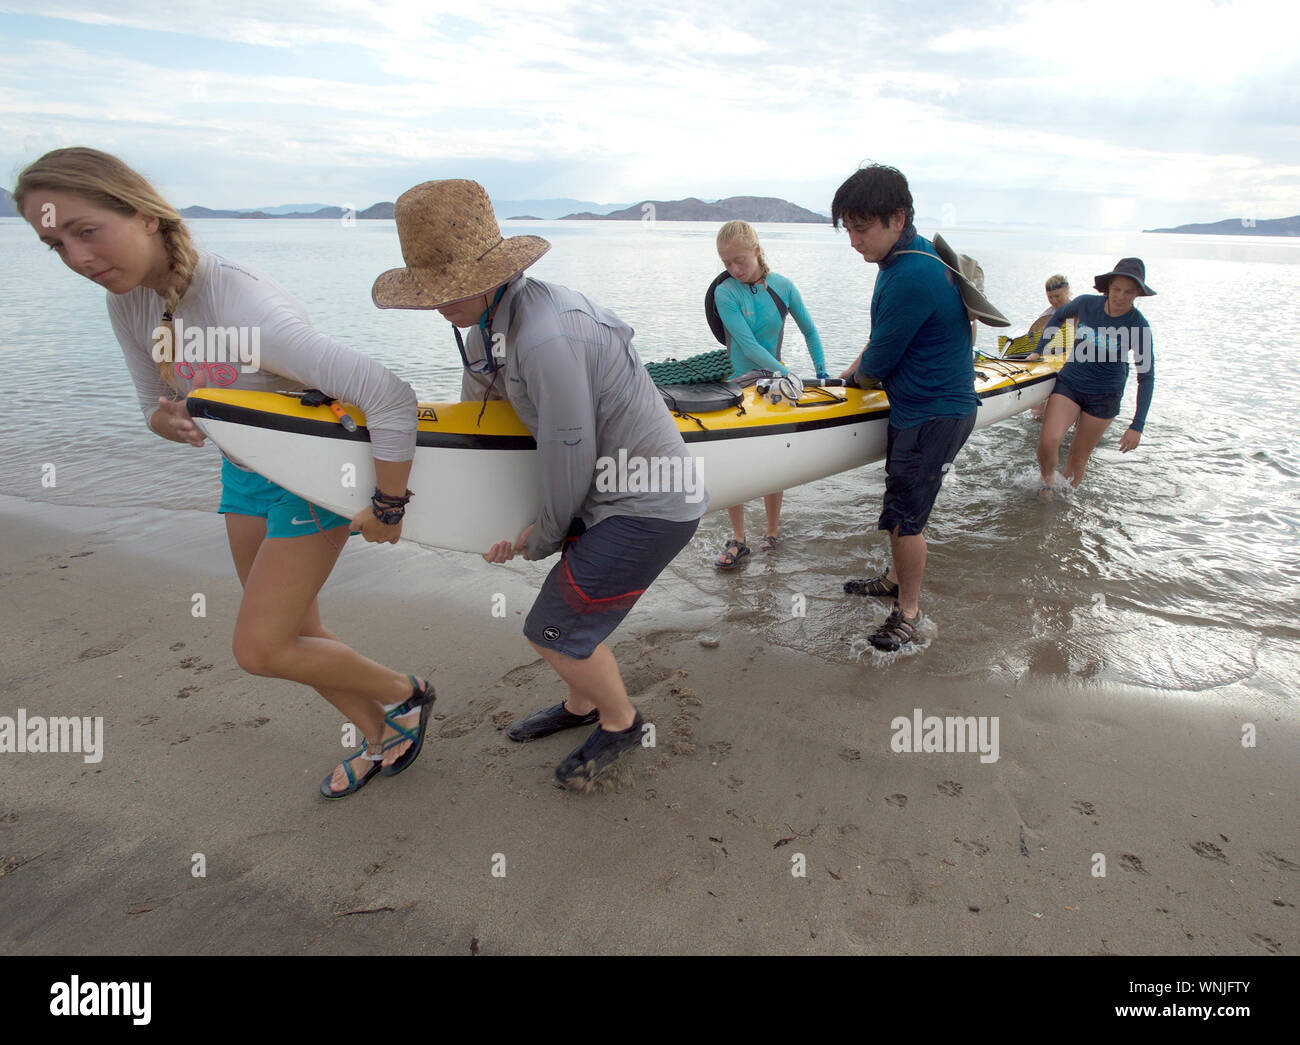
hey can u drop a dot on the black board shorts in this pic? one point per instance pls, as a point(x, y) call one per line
point(601, 573)
point(916, 460)
point(1103, 405)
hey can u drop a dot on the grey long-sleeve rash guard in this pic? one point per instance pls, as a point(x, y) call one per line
point(293, 354)
point(580, 388)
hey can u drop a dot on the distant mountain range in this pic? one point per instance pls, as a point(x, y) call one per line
point(742, 208)
point(746, 208)
point(546, 210)
point(1241, 227)
point(533, 210)
point(379, 210)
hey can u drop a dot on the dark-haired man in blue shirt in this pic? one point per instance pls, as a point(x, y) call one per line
point(920, 353)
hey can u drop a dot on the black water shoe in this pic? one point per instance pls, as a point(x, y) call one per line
point(547, 721)
point(598, 752)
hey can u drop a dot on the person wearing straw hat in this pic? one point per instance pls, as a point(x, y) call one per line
point(1091, 384)
point(920, 351)
point(570, 372)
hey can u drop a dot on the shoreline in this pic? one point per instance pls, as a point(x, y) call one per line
point(763, 753)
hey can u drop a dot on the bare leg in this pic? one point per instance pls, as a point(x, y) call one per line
point(1060, 415)
point(278, 632)
point(772, 506)
point(907, 569)
point(1091, 429)
point(737, 517)
point(594, 683)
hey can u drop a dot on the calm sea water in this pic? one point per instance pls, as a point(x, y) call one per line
point(1174, 567)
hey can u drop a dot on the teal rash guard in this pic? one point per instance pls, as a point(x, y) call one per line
point(755, 328)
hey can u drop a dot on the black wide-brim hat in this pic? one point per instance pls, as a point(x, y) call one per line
point(1131, 267)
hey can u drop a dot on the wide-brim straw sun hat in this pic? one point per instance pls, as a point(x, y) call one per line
point(1131, 267)
point(452, 246)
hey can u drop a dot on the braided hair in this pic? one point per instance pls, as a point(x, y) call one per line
point(107, 182)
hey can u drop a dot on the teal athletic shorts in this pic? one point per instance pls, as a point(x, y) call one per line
point(286, 514)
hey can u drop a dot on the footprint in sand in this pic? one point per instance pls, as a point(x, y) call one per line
point(950, 788)
point(978, 848)
point(1279, 861)
point(523, 674)
point(897, 800)
point(850, 754)
point(1267, 942)
point(478, 712)
point(1086, 808)
point(101, 651)
point(1132, 863)
point(1208, 850)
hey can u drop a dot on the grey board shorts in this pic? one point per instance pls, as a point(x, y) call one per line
point(601, 573)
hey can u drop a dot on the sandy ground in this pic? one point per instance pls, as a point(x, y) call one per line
point(767, 762)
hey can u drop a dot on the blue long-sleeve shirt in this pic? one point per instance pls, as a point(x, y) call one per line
point(754, 324)
point(920, 337)
point(1098, 363)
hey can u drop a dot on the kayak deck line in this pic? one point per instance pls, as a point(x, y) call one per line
point(474, 426)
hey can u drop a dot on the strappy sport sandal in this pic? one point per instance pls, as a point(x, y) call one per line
point(769, 543)
point(880, 587)
point(355, 783)
point(732, 554)
point(896, 632)
point(419, 698)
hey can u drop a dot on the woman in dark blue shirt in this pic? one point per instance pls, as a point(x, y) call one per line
point(1091, 384)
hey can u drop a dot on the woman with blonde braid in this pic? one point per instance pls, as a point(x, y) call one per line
point(111, 226)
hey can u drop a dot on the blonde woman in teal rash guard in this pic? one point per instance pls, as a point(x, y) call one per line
point(755, 328)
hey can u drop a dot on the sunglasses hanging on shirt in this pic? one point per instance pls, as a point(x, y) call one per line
point(496, 352)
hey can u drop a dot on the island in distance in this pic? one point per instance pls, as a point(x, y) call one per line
point(745, 208)
point(1241, 227)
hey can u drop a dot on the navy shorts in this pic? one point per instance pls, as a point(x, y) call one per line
point(916, 459)
point(1104, 405)
point(601, 574)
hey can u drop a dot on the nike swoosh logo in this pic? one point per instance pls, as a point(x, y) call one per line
point(301, 522)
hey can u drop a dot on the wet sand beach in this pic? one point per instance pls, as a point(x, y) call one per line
point(767, 761)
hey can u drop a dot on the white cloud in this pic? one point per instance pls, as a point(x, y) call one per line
point(675, 97)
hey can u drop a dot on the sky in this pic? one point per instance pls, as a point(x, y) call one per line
point(1057, 112)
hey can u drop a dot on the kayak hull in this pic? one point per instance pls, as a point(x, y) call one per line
point(475, 477)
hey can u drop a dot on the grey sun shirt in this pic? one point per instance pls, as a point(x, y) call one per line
point(580, 388)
